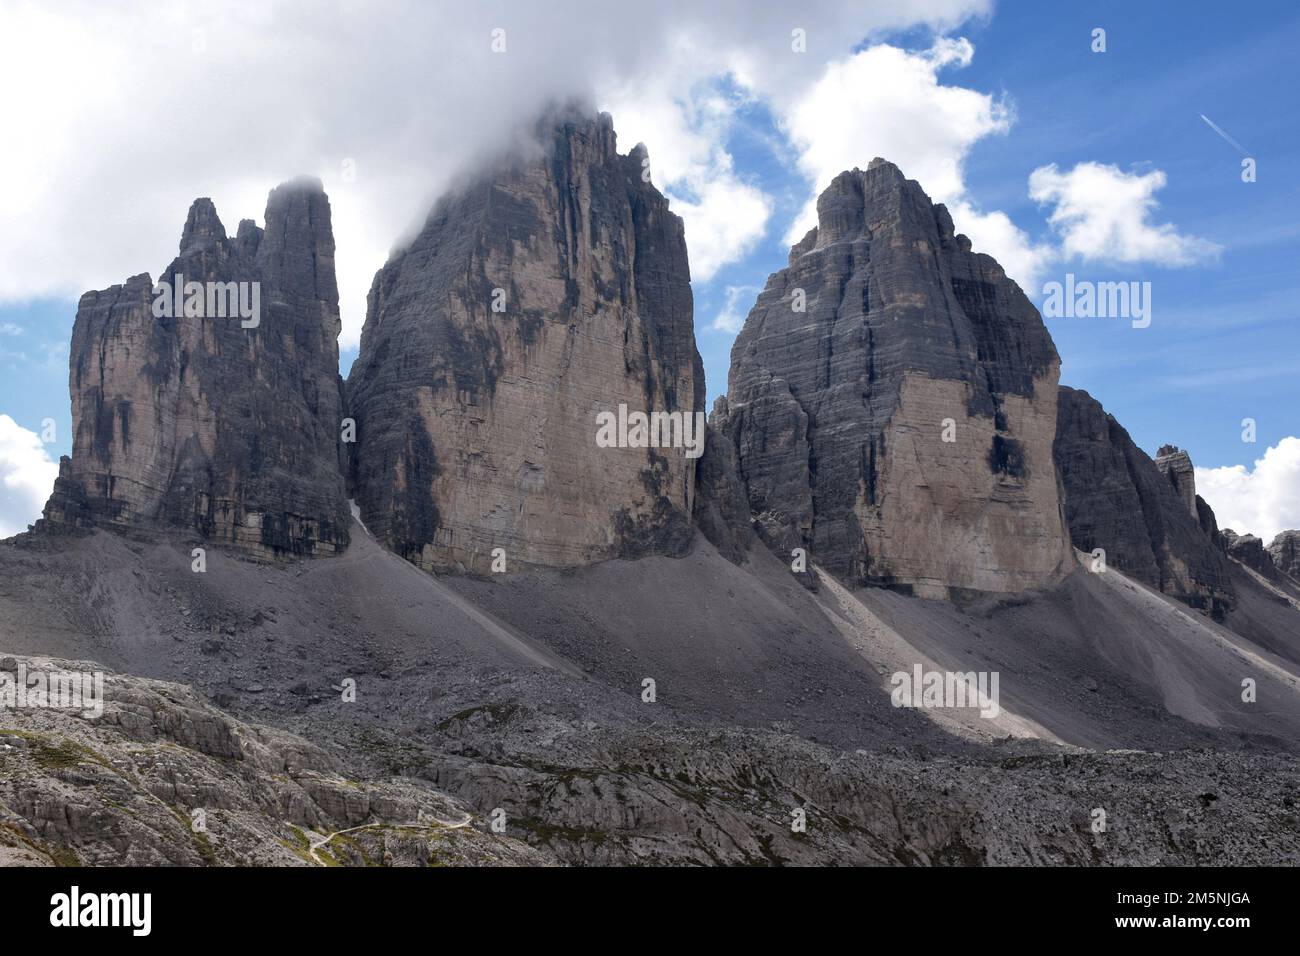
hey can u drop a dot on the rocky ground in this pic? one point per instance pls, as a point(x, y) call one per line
point(163, 778)
point(518, 698)
point(126, 789)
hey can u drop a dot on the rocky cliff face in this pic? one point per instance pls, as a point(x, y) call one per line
point(721, 504)
point(1285, 552)
point(552, 291)
point(1250, 551)
point(1176, 465)
point(213, 402)
point(892, 400)
point(1119, 500)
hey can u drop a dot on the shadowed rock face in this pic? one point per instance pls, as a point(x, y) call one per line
point(1176, 465)
point(477, 428)
point(198, 422)
point(1250, 551)
point(838, 412)
point(1119, 500)
point(721, 505)
point(1285, 552)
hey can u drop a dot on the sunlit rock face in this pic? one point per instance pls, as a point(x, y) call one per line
point(218, 414)
point(892, 400)
point(551, 289)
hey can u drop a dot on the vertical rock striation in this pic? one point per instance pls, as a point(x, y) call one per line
point(477, 426)
point(224, 425)
point(721, 505)
point(883, 337)
point(1119, 500)
point(1176, 465)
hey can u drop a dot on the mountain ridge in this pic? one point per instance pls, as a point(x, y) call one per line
point(674, 653)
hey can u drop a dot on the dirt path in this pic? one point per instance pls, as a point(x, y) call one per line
point(316, 844)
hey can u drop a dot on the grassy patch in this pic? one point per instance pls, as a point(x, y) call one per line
point(343, 840)
point(58, 855)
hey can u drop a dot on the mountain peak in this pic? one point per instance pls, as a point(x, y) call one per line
point(222, 423)
point(203, 228)
point(883, 327)
point(552, 290)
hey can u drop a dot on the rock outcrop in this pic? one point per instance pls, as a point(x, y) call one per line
point(1176, 465)
point(162, 778)
point(1250, 551)
point(1119, 500)
point(721, 505)
point(212, 402)
point(1285, 552)
point(551, 291)
point(892, 400)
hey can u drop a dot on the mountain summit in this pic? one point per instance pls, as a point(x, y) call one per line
point(892, 400)
point(211, 402)
point(551, 291)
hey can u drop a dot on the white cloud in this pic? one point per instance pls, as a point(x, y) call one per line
point(26, 477)
point(8, 328)
point(994, 233)
point(231, 100)
point(1262, 500)
point(731, 318)
point(724, 221)
point(889, 102)
point(1103, 213)
point(683, 130)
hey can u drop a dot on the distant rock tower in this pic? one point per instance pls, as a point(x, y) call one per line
point(1176, 466)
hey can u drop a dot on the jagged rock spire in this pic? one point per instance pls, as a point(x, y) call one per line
point(216, 407)
point(892, 400)
point(550, 290)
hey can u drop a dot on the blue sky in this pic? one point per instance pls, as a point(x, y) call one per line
point(1222, 343)
point(1224, 340)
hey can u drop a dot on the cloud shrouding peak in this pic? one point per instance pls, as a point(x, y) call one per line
point(1262, 500)
point(26, 476)
point(724, 215)
point(386, 102)
point(1103, 213)
point(886, 101)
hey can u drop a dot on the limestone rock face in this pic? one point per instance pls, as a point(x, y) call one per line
point(1285, 552)
point(227, 426)
point(1119, 500)
point(893, 402)
point(721, 505)
point(1176, 465)
point(1250, 551)
point(551, 290)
